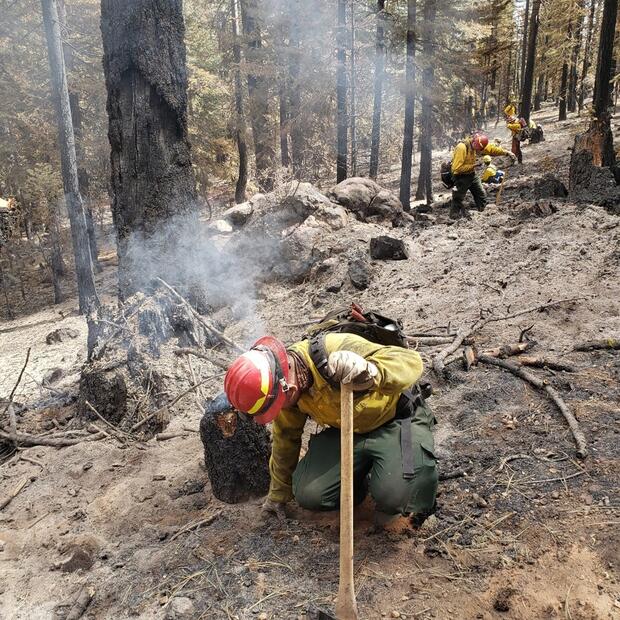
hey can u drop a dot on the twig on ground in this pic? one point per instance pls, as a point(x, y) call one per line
point(21, 485)
point(171, 435)
point(466, 332)
point(457, 473)
point(207, 324)
point(192, 526)
point(34, 440)
point(538, 361)
point(580, 440)
point(32, 460)
point(149, 417)
point(512, 457)
point(115, 429)
point(559, 479)
point(9, 405)
point(429, 341)
point(595, 345)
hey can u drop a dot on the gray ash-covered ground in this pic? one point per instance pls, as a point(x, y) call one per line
point(529, 532)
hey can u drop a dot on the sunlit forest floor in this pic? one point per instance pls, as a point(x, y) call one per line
point(528, 532)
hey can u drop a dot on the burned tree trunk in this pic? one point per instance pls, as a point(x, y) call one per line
point(572, 74)
point(76, 117)
point(341, 93)
point(240, 124)
point(564, 83)
point(405, 171)
point(236, 451)
point(352, 115)
point(378, 97)
point(263, 130)
point(87, 292)
point(586, 56)
point(294, 61)
point(524, 44)
point(152, 177)
point(425, 181)
point(595, 147)
point(528, 77)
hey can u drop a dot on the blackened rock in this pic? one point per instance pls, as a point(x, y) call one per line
point(388, 248)
point(60, 335)
point(359, 273)
point(549, 186)
point(334, 287)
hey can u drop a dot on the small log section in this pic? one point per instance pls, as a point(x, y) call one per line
point(236, 451)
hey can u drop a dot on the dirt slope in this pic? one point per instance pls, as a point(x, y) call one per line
point(532, 537)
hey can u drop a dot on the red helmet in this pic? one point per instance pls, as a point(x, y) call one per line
point(256, 382)
point(479, 141)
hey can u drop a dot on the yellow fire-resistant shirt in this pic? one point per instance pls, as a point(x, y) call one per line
point(398, 370)
point(510, 110)
point(464, 157)
point(515, 127)
point(489, 171)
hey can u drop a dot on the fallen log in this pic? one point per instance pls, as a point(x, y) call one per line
point(36, 440)
point(541, 384)
point(596, 345)
point(21, 485)
point(81, 603)
point(539, 361)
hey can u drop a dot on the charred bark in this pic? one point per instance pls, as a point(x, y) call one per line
point(405, 172)
point(528, 77)
point(87, 293)
point(240, 122)
point(294, 61)
point(152, 177)
point(258, 91)
point(378, 90)
point(524, 43)
point(563, 86)
point(236, 452)
point(572, 74)
point(76, 117)
point(602, 85)
point(586, 56)
point(341, 94)
point(352, 115)
point(425, 181)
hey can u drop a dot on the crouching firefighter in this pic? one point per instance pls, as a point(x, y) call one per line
point(464, 172)
point(393, 441)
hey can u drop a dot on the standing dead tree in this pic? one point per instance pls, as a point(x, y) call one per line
point(87, 292)
point(375, 140)
point(528, 76)
point(595, 147)
point(146, 79)
point(407, 157)
point(341, 93)
point(240, 124)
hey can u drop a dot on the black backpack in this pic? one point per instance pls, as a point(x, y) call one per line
point(353, 320)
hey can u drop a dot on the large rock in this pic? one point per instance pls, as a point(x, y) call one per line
point(239, 214)
point(388, 248)
point(367, 199)
point(359, 273)
point(61, 335)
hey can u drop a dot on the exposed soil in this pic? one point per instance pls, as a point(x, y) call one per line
point(534, 536)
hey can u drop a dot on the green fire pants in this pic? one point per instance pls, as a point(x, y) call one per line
point(468, 182)
point(377, 466)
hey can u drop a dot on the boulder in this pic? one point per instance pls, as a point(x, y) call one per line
point(239, 214)
point(549, 186)
point(221, 227)
point(61, 335)
point(388, 248)
point(367, 200)
point(359, 273)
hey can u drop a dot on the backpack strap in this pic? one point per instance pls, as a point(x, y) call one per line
point(318, 355)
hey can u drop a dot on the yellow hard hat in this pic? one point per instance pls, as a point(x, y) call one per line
point(486, 159)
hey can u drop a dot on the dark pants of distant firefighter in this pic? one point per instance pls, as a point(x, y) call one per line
point(516, 149)
point(462, 184)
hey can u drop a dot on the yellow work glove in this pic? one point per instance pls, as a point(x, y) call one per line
point(349, 367)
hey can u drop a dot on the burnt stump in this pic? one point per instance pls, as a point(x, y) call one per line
point(236, 451)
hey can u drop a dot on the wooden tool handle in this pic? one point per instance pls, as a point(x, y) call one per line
point(346, 607)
